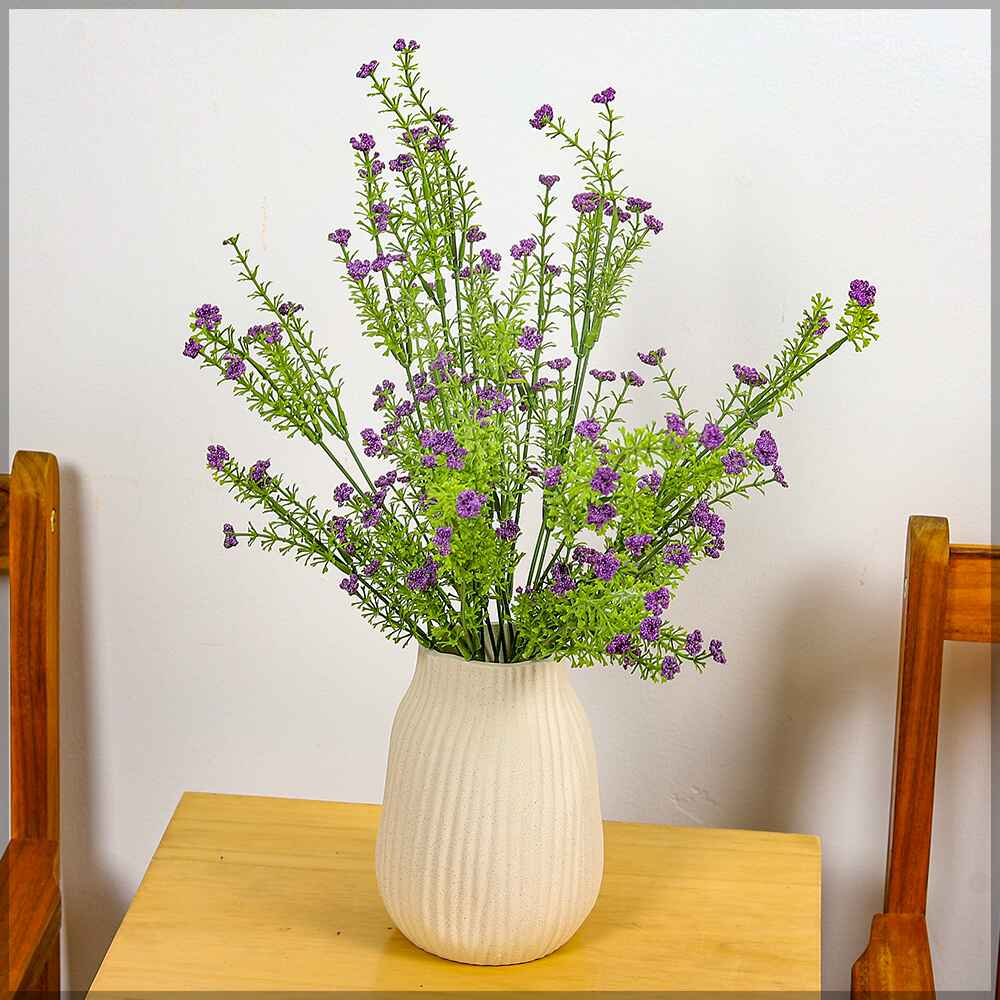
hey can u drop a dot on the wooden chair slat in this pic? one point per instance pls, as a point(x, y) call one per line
point(972, 608)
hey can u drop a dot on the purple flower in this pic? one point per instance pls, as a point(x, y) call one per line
point(734, 462)
point(456, 459)
point(383, 393)
point(372, 442)
point(621, 643)
point(400, 45)
point(633, 378)
point(653, 223)
point(358, 269)
point(548, 179)
point(676, 425)
point(236, 367)
point(289, 308)
point(606, 96)
point(258, 472)
point(822, 325)
point(605, 565)
point(401, 163)
point(765, 449)
point(586, 202)
point(428, 461)
point(779, 476)
point(363, 142)
point(404, 408)
point(599, 515)
point(229, 538)
point(589, 429)
point(712, 436)
point(474, 234)
point(371, 568)
point(604, 480)
point(692, 644)
point(442, 540)
point(562, 581)
point(507, 531)
point(523, 249)
point(469, 503)
point(638, 205)
point(343, 493)
point(192, 348)
point(554, 269)
point(207, 317)
point(636, 544)
point(749, 376)
point(863, 293)
point(702, 517)
point(424, 577)
point(653, 357)
point(552, 476)
point(530, 339)
point(650, 627)
point(367, 69)
point(217, 457)
point(650, 481)
point(426, 393)
point(671, 667)
point(558, 364)
point(541, 117)
point(715, 648)
point(386, 479)
point(677, 554)
point(340, 236)
point(350, 583)
point(338, 526)
point(658, 600)
point(490, 260)
point(714, 549)
point(371, 517)
point(603, 376)
point(445, 121)
point(436, 143)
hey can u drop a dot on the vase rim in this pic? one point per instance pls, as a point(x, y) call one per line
point(491, 664)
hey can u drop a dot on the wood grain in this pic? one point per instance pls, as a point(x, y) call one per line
point(897, 959)
point(29, 922)
point(279, 894)
point(34, 647)
point(917, 707)
point(972, 605)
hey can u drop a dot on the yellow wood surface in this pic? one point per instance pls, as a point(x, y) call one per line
point(279, 894)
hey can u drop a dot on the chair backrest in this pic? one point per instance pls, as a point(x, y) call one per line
point(949, 593)
point(29, 551)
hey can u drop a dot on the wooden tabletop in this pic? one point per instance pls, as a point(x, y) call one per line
point(279, 894)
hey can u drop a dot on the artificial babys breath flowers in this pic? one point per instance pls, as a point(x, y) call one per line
point(494, 404)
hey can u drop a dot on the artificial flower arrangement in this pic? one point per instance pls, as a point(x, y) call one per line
point(495, 404)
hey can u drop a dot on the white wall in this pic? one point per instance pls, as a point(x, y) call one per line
point(786, 152)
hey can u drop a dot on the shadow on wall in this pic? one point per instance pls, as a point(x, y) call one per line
point(92, 908)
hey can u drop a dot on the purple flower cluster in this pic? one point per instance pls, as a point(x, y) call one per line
point(289, 308)
point(192, 348)
point(436, 144)
point(603, 376)
point(649, 628)
point(530, 339)
point(749, 376)
point(599, 514)
point(562, 580)
point(424, 577)
point(657, 601)
point(638, 205)
point(604, 480)
point(524, 248)
point(653, 357)
point(491, 260)
point(350, 584)
point(633, 378)
point(229, 538)
point(383, 394)
point(548, 179)
point(653, 224)
point(217, 457)
point(619, 645)
point(271, 332)
point(363, 142)
point(258, 473)
point(605, 96)
point(541, 117)
point(734, 462)
point(863, 293)
point(552, 476)
point(401, 45)
point(236, 368)
point(372, 442)
point(765, 449)
point(367, 69)
point(677, 554)
point(711, 436)
point(442, 540)
point(822, 325)
point(469, 503)
point(715, 648)
point(507, 531)
point(589, 429)
point(636, 544)
point(358, 269)
point(343, 493)
point(693, 643)
point(671, 667)
point(558, 364)
point(340, 237)
point(586, 202)
point(207, 317)
point(675, 425)
point(401, 163)
point(650, 481)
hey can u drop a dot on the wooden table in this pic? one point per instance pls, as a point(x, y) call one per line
point(279, 894)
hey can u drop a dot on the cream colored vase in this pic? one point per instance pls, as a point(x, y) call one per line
point(490, 848)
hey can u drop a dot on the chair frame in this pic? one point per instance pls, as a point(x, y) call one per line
point(948, 594)
point(29, 869)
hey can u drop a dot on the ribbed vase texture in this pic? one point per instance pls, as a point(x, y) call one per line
point(490, 848)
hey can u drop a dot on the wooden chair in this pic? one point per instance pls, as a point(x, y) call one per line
point(948, 593)
point(29, 870)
